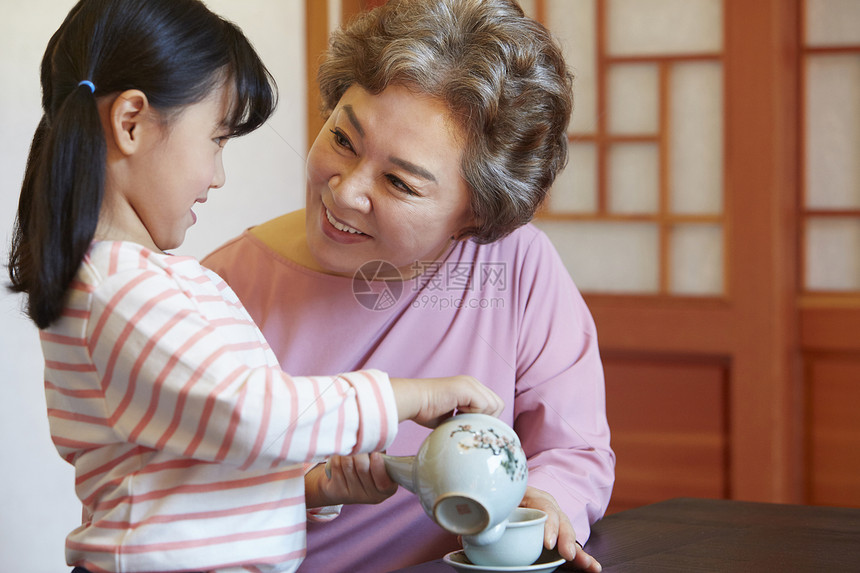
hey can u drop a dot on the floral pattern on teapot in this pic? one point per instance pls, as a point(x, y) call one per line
point(488, 439)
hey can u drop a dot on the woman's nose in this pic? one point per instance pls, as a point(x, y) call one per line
point(351, 189)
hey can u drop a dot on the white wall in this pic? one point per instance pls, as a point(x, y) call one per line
point(265, 176)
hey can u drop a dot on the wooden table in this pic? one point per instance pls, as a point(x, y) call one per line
point(718, 535)
point(699, 535)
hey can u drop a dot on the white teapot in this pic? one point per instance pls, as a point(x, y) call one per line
point(470, 473)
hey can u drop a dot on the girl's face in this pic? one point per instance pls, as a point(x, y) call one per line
point(174, 168)
point(384, 183)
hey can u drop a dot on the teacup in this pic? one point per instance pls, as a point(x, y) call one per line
point(520, 544)
point(469, 474)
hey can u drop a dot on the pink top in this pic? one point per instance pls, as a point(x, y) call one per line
point(186, 437)
point(506, 313)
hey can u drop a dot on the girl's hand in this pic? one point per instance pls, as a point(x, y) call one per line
point(558, 532)
point(354, 479)
point(429, 401)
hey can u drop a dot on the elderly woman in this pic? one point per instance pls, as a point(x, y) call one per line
point(446, 127)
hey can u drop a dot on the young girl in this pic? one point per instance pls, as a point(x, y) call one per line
point(186, 437)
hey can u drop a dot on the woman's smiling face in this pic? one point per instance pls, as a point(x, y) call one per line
point(384, 182)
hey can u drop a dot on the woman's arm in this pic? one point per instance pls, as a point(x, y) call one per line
point(560, 409)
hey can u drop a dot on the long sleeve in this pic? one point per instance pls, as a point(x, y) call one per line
point(173, 380)
point(560, 411)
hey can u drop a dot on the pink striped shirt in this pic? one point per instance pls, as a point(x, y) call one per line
point(187, 438)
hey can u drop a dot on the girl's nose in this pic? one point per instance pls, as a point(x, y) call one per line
point(220, 177)
point(351, 190)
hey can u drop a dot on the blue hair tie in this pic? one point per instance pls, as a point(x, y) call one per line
point(89, 84)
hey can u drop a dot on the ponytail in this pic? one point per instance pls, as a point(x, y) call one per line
point(59, 207)
point(175, 51)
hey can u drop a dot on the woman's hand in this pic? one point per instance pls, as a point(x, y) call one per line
point(354, 479)
point(429, 401)
point(558, 532)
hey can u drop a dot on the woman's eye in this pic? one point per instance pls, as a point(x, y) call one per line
point(400, 185)
point(340, 139)
point(221, 141)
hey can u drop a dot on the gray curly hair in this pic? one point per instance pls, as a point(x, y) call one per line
point(502, 77)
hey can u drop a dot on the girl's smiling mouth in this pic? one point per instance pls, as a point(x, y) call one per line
point(193, 214)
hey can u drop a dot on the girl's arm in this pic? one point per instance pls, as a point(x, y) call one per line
point(205, 385)
point(209, 388)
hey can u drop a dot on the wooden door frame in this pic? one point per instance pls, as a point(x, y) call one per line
point(316, 42)
point(755, 327)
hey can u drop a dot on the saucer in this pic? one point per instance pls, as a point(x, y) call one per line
point(548, 561)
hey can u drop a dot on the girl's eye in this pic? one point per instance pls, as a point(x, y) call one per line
point(400, 185)
point(221, 141)
point(340, 139)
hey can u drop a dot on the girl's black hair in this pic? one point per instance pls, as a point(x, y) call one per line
point(176, 52)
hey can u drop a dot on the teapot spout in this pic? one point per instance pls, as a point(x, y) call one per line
point(399, 469)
